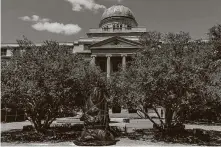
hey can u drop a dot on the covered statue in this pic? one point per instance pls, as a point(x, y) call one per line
point(96, 120)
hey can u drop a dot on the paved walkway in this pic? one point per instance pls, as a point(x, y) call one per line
point(13, 125)
point(205, 127)
point(134, 124)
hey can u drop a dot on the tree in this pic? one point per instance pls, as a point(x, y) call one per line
point(215, 37)
point(42, 80)
point(88, 77)
point(215, 33)
point(215, 76)
point(172, 72)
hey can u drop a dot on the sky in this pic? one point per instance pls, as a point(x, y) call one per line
point(68, 20)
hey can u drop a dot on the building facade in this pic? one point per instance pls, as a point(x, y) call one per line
point(113, 43)
point(109, 46)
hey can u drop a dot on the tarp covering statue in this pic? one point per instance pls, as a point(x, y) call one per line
point(96, 120)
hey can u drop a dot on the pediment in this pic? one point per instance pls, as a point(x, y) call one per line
point(115, 42)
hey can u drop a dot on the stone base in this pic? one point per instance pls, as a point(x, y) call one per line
point(94, 143)
point(95, 137)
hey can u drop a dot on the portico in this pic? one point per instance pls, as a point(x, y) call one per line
point(112, 54)
point(110, 62)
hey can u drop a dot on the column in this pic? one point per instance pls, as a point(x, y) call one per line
point(93, 60)
point(124, 61)
point(108, 65)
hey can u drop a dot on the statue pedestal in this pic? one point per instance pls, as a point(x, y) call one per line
point(94, 143)
point(95, 137)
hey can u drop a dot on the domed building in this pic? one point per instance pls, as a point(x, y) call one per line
point(108, 46)
point(114, 42)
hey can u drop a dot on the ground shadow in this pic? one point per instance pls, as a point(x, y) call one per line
point(65, 133)
point(188, 136)
point(54, 134)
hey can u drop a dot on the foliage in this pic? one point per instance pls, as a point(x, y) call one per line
point(215, 37)
point(55, 133)
point(48, 80)
point(189, 136)
point(215, 33)
point(88, 78)
point(42, 80)
point(215, 76)
point(172, 72)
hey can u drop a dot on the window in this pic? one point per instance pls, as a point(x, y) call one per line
point(106, 28)
point(114, 27)
point(129, 27)
point(117, 26)
point(120, 26)
point(3, 52)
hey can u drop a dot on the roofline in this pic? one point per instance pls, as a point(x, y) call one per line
point(37, 44)
point(112, 38)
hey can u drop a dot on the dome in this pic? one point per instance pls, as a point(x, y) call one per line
point(118, 13)
point(117, 10)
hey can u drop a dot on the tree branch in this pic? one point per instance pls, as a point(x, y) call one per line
point(158, 115)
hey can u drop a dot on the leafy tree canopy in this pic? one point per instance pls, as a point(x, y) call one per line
point(43, 80)
point(173, 72)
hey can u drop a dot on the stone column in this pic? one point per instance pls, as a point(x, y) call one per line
point(93, 59)
point(124, 61)
point(108, 65)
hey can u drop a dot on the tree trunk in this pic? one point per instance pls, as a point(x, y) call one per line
point(41, 127)
point(5, 115)
point(16, 115)
point(168, 117)
point(157, 126)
